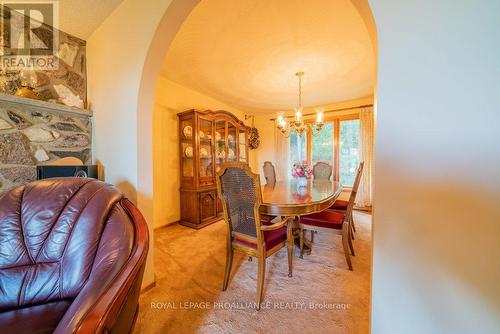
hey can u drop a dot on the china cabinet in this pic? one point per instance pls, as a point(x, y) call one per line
point(206, 140)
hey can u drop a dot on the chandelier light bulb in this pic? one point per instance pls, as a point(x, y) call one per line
point(319, 117)
point(298, 115)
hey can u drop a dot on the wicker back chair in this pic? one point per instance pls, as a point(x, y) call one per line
point(240, 192)
point(322, 170)
point(269, 172)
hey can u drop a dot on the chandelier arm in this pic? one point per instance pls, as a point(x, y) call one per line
point(286, 133)
point(313, 132)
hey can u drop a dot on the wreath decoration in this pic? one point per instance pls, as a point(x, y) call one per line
point(253, 138)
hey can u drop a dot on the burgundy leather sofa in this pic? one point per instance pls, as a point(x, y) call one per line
point(72, 257)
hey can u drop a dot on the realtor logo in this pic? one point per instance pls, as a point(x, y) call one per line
point(29, 35)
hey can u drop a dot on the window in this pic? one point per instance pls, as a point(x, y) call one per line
point(337, 143)
point(322, 145)
point(349, 151)
point(298, 147)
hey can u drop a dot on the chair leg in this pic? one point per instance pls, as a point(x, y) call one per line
point(290, 245)
point(302, 236)
point(260, 280)
point(352, 221)
point(229, 263)
point(350, 239)
point(345, 243)
point(312, 236)
point(249, 259)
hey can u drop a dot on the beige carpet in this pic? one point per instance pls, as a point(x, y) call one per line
point(323, 296)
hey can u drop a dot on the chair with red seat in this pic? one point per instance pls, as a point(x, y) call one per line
point(341, 205)
point(322, 170)
point(240, 192)
point(270, 176)
point(269, 172)
point(329, 220)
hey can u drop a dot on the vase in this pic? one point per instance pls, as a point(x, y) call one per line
point(302, 182)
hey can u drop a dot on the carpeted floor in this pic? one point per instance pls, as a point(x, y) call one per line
point(323, 296)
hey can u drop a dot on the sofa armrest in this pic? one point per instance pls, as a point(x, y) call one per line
point(101, 309)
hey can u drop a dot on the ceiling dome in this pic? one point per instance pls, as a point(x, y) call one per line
point(245, 53)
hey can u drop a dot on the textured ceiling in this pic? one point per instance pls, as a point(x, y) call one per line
point(81, 18)
point(246, 53)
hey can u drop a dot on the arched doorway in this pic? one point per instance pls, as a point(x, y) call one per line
point(171, 22)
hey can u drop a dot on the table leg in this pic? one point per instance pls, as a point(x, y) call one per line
point(296, 234)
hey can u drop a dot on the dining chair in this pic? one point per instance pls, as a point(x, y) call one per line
point(240, 192)
point(329, 220)
point(322, 170)
point(341, 205)
point(269, 172)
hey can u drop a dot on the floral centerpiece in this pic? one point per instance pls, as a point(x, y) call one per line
point(301, 171)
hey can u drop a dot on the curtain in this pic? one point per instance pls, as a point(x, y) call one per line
point(282, 150)
point(367, 137)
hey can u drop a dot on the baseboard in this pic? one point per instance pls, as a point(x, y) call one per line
point(148, 287)
point(364, 209)
point(166, 225)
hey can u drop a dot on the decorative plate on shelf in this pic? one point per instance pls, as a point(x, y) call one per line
point(230, 138)
point(201, 134)
point(188, 152)
point(218, 136)
point(231, 154)
point(203, 152)
point(187, 131)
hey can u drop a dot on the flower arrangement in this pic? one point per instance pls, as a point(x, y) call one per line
point(301, 169)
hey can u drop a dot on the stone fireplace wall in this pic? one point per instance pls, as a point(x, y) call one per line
point(37, 132)
point(65, 84)
point(32, 135)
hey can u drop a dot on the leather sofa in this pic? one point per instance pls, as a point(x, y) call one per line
point(72, 257)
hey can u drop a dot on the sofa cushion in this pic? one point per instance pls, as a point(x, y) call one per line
point(38, 319)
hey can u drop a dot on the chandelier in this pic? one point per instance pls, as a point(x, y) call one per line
point(297, 124)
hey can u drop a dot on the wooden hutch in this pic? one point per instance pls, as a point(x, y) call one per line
point(206, 140)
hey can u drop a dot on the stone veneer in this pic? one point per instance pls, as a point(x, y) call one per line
point(70, 76)
point(31, 134)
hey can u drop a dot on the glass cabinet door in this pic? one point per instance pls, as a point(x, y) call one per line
point(187, 148)
point(220, 143)
point(242, 145)
point(231, 142)
point(205, 152)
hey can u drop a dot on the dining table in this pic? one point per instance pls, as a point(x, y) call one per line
point(290, 200)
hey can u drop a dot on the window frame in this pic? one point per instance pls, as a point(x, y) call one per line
point(335, 119)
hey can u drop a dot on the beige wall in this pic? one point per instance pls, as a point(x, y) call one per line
point(436, 261)
point(124, 57)
point(171, 99)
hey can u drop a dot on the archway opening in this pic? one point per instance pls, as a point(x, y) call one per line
point(171, 92)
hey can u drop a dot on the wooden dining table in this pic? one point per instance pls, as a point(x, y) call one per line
point(288, 200)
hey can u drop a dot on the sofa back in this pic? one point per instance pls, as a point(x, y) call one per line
point(50, 233)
